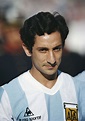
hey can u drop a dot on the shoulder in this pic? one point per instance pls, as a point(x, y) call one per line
point(15, 82)
point(12, 91)
point(7, 89)
point(67, 80)
point(70, 80)
point(79, 80)
point(13, 86)
point(65, 76)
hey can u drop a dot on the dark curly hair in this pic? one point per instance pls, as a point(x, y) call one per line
point(43, 22)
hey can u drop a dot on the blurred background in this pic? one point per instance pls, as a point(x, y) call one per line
point(13, 60)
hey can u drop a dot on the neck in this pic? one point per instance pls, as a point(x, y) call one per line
point(46, 80)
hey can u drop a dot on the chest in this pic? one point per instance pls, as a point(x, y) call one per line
point(43, 107)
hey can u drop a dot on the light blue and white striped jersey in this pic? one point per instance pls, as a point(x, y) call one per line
point(25, 99)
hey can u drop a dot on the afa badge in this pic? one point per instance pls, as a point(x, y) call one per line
point(71, 111)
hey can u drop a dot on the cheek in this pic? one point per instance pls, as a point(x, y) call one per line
point(38, 62)
point(59, 57)
point(37, 58)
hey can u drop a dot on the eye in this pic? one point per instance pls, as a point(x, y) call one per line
point(58, 48)
point(43, 50)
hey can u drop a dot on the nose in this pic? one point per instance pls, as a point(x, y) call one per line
point(51, 58)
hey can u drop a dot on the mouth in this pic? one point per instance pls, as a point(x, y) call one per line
point(50, 67)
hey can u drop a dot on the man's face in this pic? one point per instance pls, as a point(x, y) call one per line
point(46, 53)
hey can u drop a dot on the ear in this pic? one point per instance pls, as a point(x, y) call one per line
point(26, 50)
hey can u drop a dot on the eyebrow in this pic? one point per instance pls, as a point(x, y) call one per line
point(59, 46)
point(46, 48)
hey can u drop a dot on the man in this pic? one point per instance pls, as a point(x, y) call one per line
point(43, 93)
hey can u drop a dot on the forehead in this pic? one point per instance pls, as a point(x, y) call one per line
point(46, 40)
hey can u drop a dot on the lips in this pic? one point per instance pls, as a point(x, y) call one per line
point(49, 67)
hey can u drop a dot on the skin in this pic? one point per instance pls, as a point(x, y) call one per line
point(46, 57)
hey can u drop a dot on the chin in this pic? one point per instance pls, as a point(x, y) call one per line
point(50, 73)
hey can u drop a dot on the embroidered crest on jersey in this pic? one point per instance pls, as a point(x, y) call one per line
point(71, 111)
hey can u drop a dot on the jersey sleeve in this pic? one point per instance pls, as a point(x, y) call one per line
point(5, 108)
